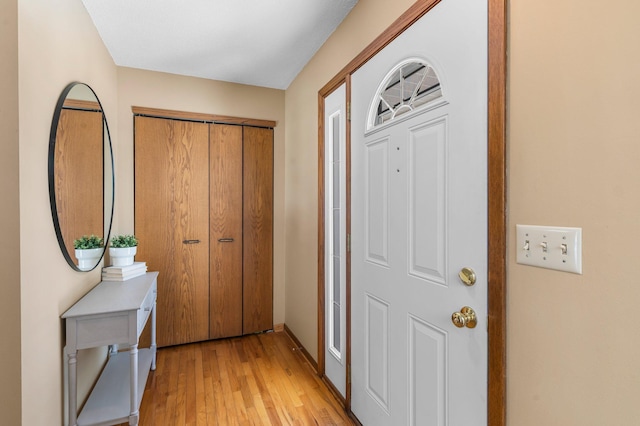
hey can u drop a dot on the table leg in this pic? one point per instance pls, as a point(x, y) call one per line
point(73, 389)
point(153, 336)
point(133, 369)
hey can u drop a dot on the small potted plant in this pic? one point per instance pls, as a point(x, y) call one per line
point(122, 250)
point(88, 250)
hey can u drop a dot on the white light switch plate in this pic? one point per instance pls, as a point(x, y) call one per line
point(550, 247)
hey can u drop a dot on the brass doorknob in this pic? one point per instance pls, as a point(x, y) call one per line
point(465, 318)
point(467, 276)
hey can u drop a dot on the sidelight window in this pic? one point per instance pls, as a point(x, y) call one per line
point(337, 266)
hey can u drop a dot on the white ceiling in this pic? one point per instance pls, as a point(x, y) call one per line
point(258, 42)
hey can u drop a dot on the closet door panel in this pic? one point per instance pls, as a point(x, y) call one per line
point(258, 230)
point(78, 173)
point(172, 222)
point(226, 231)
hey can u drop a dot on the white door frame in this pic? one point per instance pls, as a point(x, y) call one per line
point(496, 404)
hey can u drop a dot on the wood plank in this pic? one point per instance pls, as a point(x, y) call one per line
point(225, 286)
point(172, 205)
point(172, 386)
point(273, 385)
point(258, 230)
point(200, 407)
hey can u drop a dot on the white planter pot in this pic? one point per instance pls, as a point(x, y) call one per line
point(88, 259)
point(122, 256)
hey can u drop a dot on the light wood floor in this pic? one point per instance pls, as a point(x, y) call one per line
point(252, 380)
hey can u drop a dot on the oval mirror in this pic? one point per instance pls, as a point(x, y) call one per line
point(81, 174)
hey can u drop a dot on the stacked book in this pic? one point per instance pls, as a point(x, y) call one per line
point(123, 273)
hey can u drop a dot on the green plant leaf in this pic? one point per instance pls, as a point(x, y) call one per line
point(122, 241)
point(87, 242)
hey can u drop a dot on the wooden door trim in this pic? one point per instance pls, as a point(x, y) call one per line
point(82, 105)
point(497, 207)
point(199, 116)
point(496, 191)
point(321, 236)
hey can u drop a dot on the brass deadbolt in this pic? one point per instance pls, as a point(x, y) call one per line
point(467, 276)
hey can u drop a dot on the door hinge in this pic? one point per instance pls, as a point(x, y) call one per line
point(348, 243)
point(349, 111)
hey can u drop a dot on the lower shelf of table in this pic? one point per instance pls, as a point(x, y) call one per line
point(109, 401)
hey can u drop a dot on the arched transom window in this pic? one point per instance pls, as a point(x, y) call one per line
point(410, 85)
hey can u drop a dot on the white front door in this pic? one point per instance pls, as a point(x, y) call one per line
point(335, 256)
point(419, 216)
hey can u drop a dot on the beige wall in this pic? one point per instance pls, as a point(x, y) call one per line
point(10, 391)
point(574, 151)
point(57, 44)
point(167, 91)
point(365, 22)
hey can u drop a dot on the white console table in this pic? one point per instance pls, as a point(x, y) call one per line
point(113, 313)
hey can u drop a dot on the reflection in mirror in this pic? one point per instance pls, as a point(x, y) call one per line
point(80, 171)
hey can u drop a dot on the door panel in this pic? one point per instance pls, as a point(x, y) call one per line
point(258, 230)
point(376, 356)
point(419, 215)
point(335, 247)
point(377, 201)
point(226, 231)
point(172, 222)
point(78, 173)
point(427, 202)
point(427, 378)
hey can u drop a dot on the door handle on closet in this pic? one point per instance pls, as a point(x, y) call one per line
point(190, 241)
point(225, 240)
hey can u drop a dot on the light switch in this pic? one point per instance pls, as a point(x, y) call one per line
point(550, 247)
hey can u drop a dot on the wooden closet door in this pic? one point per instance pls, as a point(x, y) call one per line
point(258, 230)
point(172, 222)
point(79, 184)
point(226, 231)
